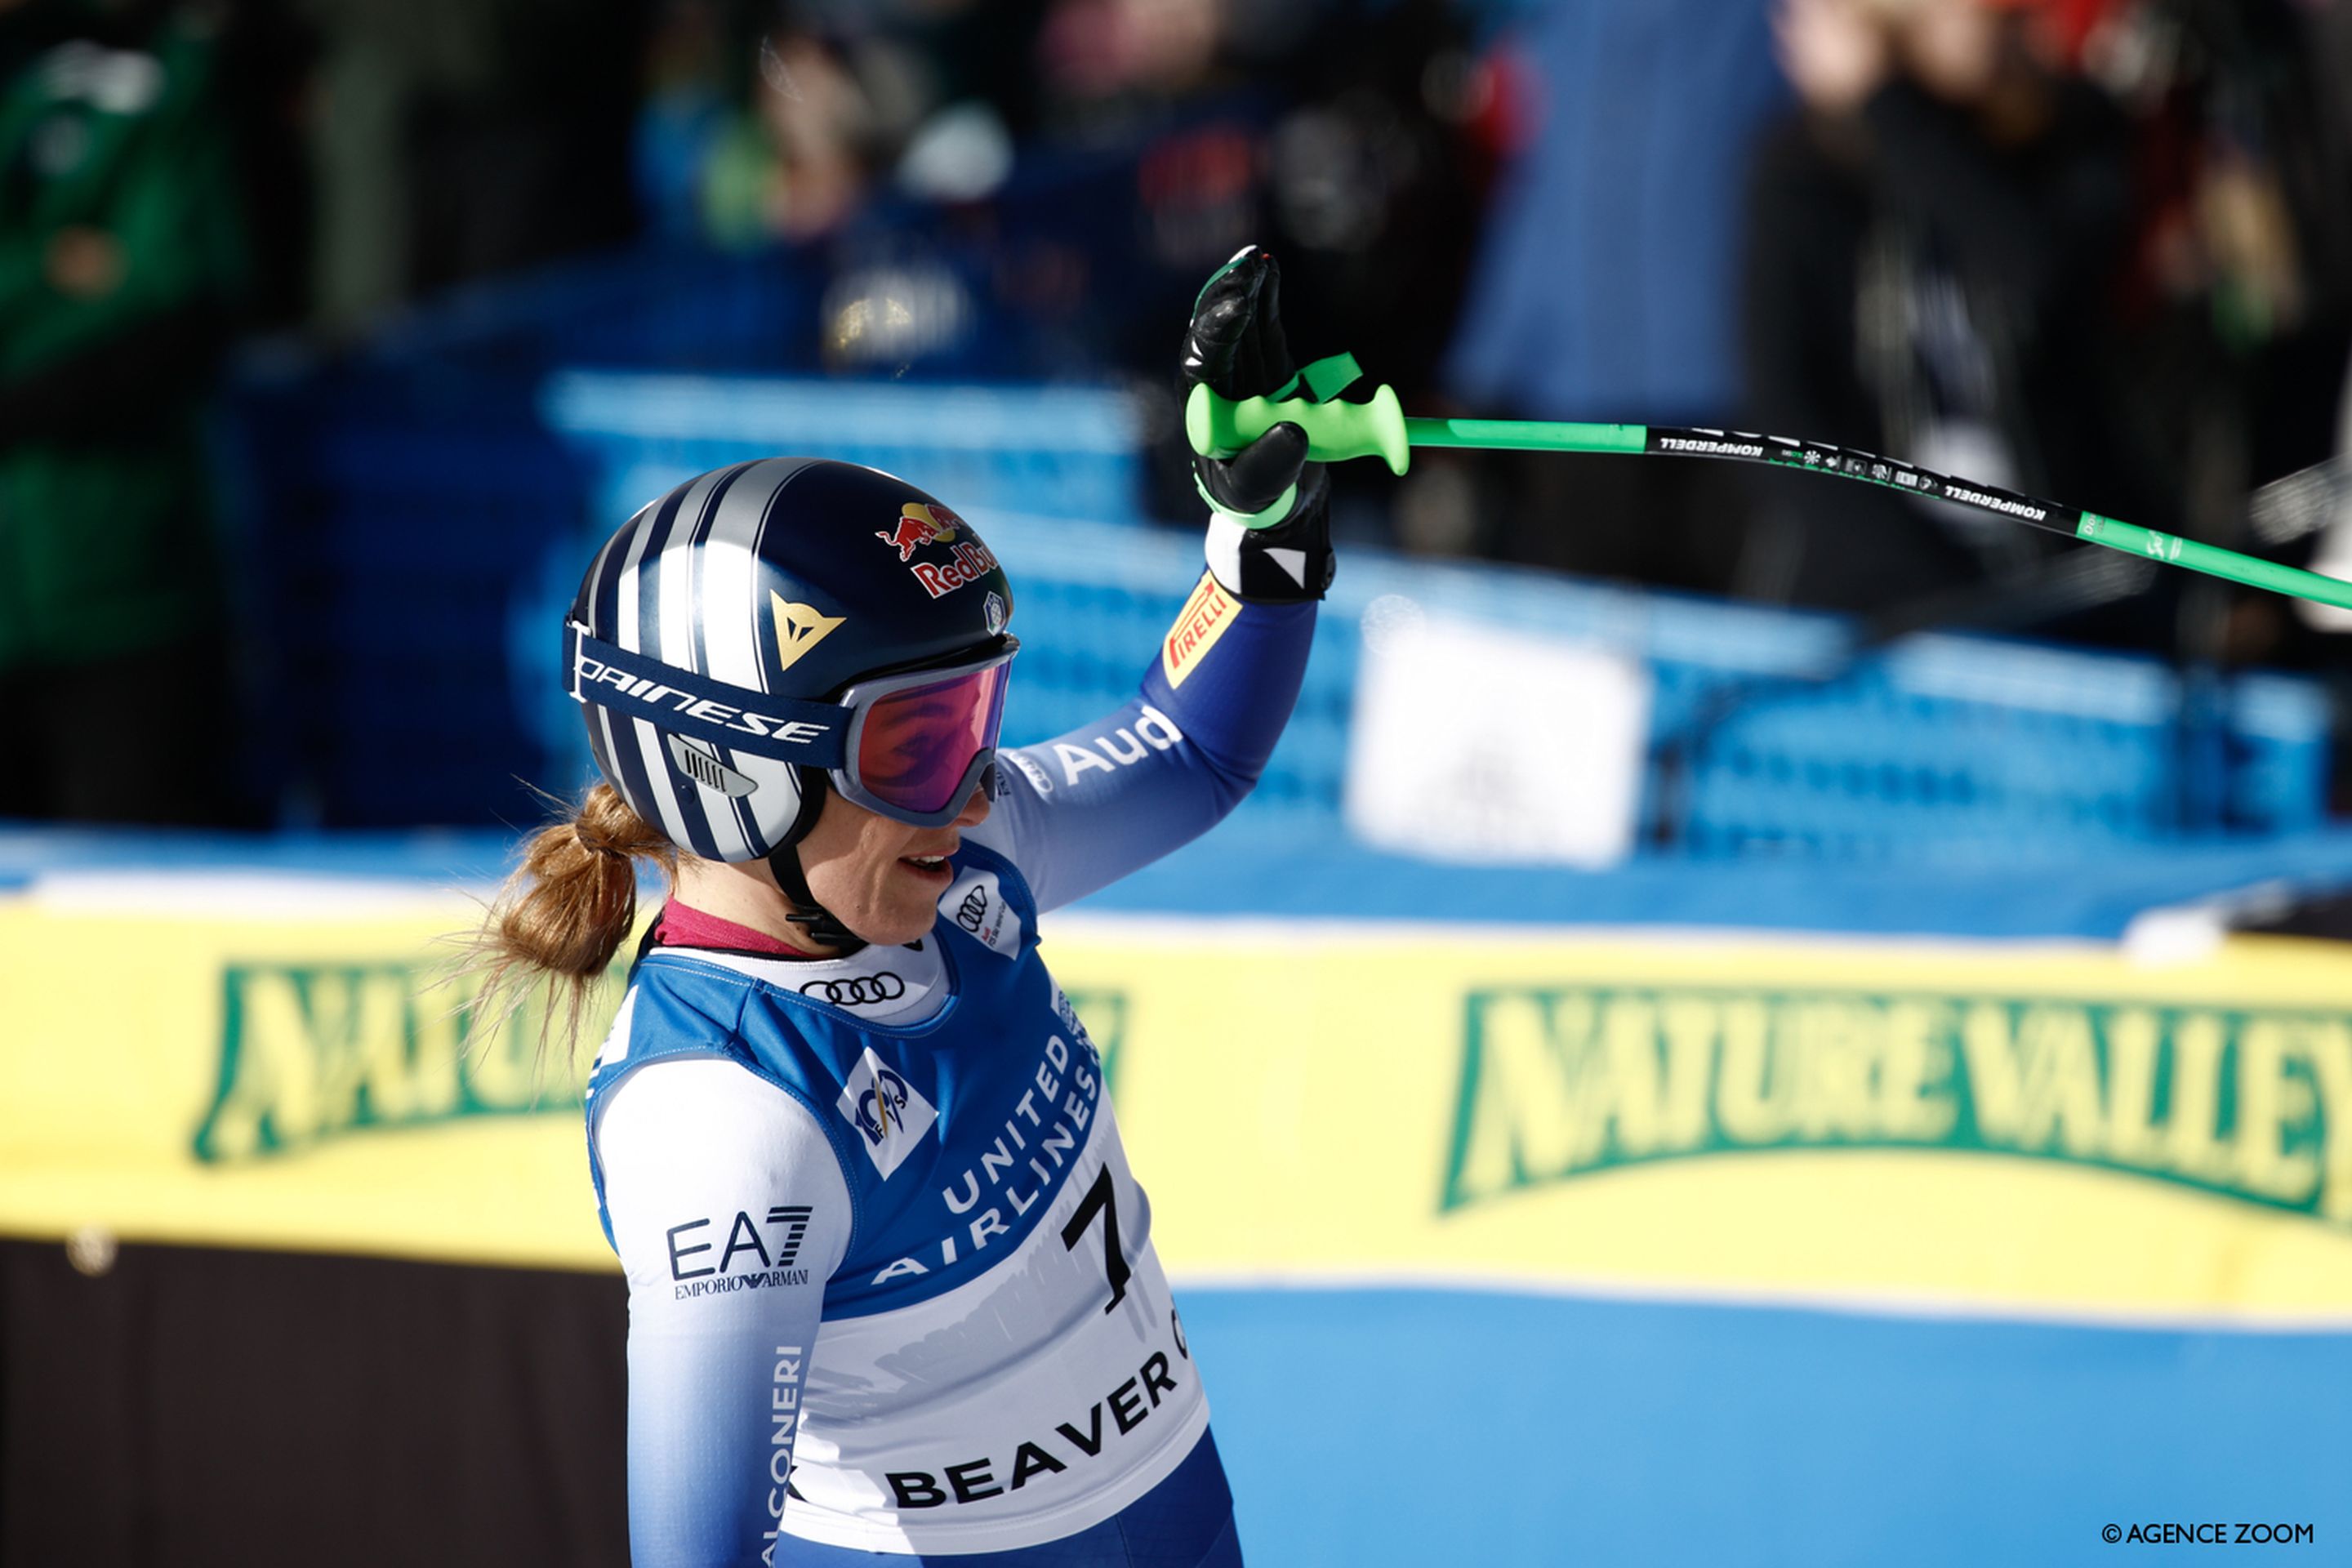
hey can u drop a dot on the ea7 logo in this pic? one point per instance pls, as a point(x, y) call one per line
point(778, 1246)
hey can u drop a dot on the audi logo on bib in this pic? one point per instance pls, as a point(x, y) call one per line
point(857, 990)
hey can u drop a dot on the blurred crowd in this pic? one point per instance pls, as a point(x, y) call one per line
point(2097, 250)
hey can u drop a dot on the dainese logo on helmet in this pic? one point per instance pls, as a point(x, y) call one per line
point(655, 699)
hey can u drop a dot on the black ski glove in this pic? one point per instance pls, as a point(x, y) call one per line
point(1269, 523)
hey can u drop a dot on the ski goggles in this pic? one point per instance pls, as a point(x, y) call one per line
point(912, 746)
point(920, 743)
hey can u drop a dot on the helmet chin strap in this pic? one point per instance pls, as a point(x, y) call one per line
point(822, 926)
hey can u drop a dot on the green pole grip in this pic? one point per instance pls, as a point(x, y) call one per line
point(1218, 427)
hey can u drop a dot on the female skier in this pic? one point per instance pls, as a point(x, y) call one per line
point(891, 1284)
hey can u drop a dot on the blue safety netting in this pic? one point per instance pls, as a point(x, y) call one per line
point(418, 533)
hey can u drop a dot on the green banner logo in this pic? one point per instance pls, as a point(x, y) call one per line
point(2249, 1103)
point(313, 1051)
point(1103, 1011)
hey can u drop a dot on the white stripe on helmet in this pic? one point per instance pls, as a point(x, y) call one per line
point(638, 734)
point(733, 604)
point(679, 618)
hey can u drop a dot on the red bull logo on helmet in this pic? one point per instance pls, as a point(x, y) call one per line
point(972, 562)
point(920, 525)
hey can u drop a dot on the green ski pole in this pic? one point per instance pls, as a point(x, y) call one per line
point(1337, 432)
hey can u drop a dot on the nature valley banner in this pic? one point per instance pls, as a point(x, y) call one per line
point(1991, 1127)
point(320, 1081)
point(1562, 1081)
point(2005, 1127)
point(308, 1079)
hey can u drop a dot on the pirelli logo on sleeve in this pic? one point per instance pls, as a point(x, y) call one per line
point(1205, 618)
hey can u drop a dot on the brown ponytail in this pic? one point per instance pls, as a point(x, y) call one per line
point(564, 912)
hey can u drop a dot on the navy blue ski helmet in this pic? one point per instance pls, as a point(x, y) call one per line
point(758, 629)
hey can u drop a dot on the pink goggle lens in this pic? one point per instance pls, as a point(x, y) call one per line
point(917, 744)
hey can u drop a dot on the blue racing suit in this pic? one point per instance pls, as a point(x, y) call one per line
point(891, 1283)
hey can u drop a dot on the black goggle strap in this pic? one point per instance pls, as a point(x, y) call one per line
point(813, 734)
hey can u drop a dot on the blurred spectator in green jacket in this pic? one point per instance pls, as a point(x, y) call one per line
point(121, 266)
